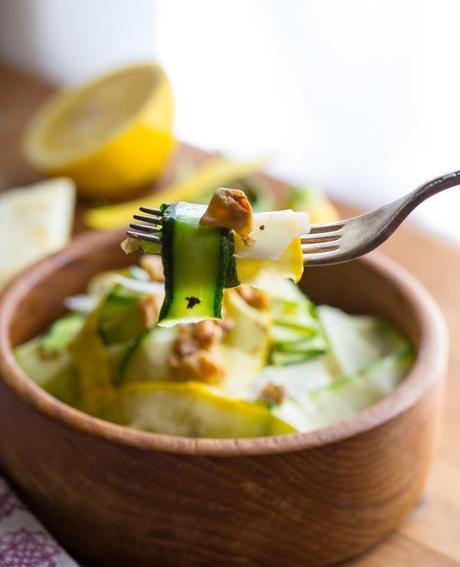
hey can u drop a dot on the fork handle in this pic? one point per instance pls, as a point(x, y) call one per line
point(398, 210)
point(391, 215)
point(359, 235)
point(408, 203)
point(429, 189)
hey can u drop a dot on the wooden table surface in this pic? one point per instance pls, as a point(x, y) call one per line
point(431, 534)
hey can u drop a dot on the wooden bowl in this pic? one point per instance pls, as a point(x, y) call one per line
point(123, 497)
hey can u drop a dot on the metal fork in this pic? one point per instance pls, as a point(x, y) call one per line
point(339, 241)
point(150, 232)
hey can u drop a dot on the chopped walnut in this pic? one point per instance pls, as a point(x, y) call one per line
point(229, 208)
point(201, 365)
point(185, 342)
point(209, 332)
point(153, 265)
point(194, 354)
point(150, 306)
point(203, 335)
point(255, 297)
point(273, 393)
point(129, 245)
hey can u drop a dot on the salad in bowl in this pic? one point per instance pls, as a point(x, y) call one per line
point(208, 335)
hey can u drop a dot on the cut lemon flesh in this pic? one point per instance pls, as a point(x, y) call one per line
point(111, 135)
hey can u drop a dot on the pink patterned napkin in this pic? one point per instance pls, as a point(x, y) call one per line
point(24, 542)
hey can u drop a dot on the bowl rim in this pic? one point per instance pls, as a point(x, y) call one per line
point(429, 366)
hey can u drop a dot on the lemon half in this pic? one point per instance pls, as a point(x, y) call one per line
point(111, 135)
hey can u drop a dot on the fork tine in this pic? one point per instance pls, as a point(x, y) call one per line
point(150, 211)
point(151, 220)
point(145, 228)
point(320, 258)
point(144, 236)
point(323, 228)
point(321, 237)
point(319, 247)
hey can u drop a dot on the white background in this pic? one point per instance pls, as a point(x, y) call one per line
point(361, 97)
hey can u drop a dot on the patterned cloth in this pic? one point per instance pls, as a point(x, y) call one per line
point(24, 542)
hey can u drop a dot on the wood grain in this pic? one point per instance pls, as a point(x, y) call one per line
point(398, 550)
point(429, 536)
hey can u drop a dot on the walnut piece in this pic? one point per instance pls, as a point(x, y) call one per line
point(209, 332)
point(229, 208)
point(150, 306)
point(203, 335)
point(195, 356)
point(273, 393)
point(153, 265)
point(202, 366)
point(129, 245)
point(255, 297)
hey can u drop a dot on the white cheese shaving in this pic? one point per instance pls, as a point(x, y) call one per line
point(272, 234)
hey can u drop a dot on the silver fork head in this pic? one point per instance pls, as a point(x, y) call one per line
point(321, 245)
point(150, 229)
point(342, 241)
point(345, 240)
